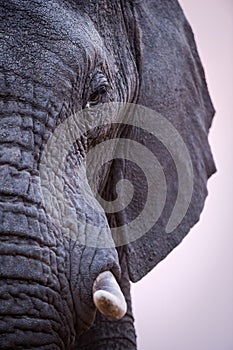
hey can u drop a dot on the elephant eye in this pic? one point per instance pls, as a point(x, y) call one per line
point(96, 96)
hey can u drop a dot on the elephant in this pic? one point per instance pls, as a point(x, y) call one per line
point(61, 58)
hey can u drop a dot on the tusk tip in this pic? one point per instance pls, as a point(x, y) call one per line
point(108, 297)
point(109, 305)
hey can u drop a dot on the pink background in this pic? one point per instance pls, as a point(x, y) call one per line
point(186, 303)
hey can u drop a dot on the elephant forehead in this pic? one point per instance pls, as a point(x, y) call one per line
point(42, 35)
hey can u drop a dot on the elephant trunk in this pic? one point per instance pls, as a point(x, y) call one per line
point(35, 305)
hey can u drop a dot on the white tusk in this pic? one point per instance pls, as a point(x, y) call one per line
point(108, 297)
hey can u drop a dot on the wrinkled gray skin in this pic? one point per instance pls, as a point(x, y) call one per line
point(54, 55)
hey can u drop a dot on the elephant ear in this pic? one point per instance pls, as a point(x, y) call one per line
point(172, 84)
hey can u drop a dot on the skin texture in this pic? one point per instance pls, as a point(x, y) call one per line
point(55, 55)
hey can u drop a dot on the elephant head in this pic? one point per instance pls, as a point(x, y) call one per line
point(64, 58)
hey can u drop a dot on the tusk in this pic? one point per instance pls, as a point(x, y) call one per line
point(108, 297)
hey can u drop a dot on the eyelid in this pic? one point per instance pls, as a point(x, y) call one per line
point(103, 84)
point(98, 80)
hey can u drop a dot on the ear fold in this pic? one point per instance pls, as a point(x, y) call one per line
point(172, 84)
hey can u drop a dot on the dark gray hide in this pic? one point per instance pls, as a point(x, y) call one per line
point(51, 54)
